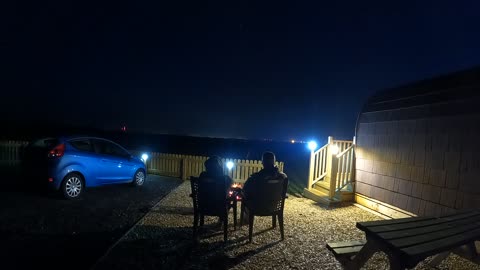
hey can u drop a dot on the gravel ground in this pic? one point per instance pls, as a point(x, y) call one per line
point(162, 240)
point(39, 230)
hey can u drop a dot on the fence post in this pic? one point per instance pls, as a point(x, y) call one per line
point(311, 169)
point(328, 156)
point(330, 171)
point(333, 177)
point(184, 168)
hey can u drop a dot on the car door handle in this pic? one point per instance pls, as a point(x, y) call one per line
point(104, 160)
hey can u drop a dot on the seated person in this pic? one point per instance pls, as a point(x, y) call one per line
point(214, 170)
point(269, 172)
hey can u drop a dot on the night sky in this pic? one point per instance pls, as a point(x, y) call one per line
point(234, 69)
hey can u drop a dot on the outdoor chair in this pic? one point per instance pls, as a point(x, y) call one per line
point(209, 199)
point(268, 199)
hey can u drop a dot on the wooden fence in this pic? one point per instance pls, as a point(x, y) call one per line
point(185, 166)
point(11, 152)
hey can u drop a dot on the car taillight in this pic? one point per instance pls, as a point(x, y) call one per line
point(57, 151)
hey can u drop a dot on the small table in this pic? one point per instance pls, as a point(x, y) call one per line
point(408, 241)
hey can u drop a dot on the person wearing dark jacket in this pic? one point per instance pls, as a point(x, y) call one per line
point(214, 170)
point(269, 172)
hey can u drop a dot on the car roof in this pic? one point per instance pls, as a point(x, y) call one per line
point(68, 138)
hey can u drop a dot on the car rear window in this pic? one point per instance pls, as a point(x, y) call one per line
point(46, 143)
point(82, 145)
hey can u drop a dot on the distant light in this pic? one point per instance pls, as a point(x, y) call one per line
point(334, 149)
point(293, 141)
point(312, 145)
point(50, 179)
point(229, 165)
point(144, 157)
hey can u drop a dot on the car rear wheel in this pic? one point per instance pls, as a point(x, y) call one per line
point(139, 178)
point(72, 186)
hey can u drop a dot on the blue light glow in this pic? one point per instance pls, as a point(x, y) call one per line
point(312, 145)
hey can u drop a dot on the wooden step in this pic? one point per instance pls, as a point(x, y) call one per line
point(345, 195)
point(321, 189)
point(322, 186)
point(319, 196)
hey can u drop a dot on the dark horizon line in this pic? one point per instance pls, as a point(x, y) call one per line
point(36, 128)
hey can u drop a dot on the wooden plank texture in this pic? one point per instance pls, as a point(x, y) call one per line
point(346, 251)
point(441, 245)
point(347, 244)
point(363, 225)
point(428, 229)
point(433, 236)
point(423, 223)
point(346, 248)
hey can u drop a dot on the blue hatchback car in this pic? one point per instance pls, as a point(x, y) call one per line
point(75, 163)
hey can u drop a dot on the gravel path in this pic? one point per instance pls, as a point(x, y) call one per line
point(162, 240)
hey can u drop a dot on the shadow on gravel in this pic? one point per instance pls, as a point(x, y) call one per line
point(221, 260)
point(163, 248)
point(173, 247)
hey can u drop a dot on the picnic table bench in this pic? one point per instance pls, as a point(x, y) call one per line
point(407, 241)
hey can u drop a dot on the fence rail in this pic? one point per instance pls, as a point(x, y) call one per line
point(320, 164)
point(345, 168)
point(342, 145)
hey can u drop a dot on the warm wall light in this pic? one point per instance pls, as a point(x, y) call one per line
point(293, 141)
point(312, 145)
point(334, 149)
point(229, 165)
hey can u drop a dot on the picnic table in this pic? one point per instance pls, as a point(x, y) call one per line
point(407, 241)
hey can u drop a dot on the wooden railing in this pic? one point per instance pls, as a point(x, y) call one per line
point(319, 162)
point(342, 145)
point(332, 163)
point(344, 168)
